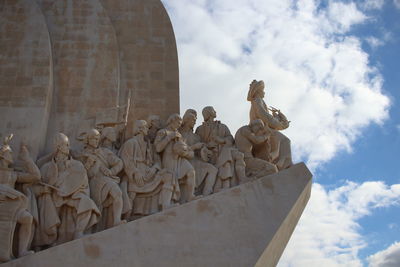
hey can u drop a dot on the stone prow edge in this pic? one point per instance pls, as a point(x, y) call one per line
point(272, 252)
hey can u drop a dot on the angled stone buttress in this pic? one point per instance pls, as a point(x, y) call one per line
point(248, 225)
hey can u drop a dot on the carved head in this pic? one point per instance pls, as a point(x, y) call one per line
point(154, 121)
point(256, 125)
point(174, 121)
point(61, 143)
point(140, 126)
point(189, 118)
point(6, 151)
point(93, 138)
point(109, 134)
point(180, 148)
point(209, 113)
point(256, 90)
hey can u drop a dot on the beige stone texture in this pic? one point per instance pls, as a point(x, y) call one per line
point(148, 57)
point(244, 226)
point(25, 73)
point(85, 57)
point(63, 62)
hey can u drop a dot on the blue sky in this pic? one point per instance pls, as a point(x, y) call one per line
point(375, 153)
point(333, 67)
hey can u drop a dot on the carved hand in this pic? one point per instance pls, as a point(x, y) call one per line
point(106, 171)
point(139, 180)
point(219, 140)
point(176, 135)
point(197, 146)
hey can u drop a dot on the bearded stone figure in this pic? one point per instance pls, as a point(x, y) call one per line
point(14, 205)
point(206, 173)
point(108, 139)
point(150, 187)
point(246, 138)
point(218, 139)
point(176, 160)
point(102, 167)
point(278, 151)
point(66, 180)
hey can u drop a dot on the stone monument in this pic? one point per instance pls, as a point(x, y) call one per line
point(108, 172)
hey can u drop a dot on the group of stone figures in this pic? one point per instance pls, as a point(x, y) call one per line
point(67, 193)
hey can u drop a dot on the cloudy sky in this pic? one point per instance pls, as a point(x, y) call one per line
point(333, 67)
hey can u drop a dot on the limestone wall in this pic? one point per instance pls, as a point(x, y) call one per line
point(63, 61)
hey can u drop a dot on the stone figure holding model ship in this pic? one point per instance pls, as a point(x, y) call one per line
point(278, 151)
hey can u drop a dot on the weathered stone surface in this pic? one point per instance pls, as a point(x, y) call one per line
point(246, 225)
point(85, 56)
point(99, 51)
point(25, 73)
point(148, 57)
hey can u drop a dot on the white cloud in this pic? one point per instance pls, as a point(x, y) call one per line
point(389, 257)
point(373, 4)
point(328, 233)
point(315, 73)
point(374, 42)
point(397, 3)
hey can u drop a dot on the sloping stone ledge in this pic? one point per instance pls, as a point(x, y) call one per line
point(244, 226)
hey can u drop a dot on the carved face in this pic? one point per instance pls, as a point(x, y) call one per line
point(156, 122)
point(143, 128)
point(257, 126)
point(175, 124)
point(191, 120)
point(94, 141)
point(110, 135)
point(180, 148)
point(7, 157)
point(63, 146)
point(261, 90)
point(213, 113)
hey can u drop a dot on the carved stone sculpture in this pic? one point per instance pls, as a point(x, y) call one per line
point(280, 150)
point(246, 138)
point(68, 182)
point(14, 204)
point(175, 158)
point(153, 124)
point(108, 139)
point(150, 188)
point(206, 173)
point(102, 167)
point(219, 140)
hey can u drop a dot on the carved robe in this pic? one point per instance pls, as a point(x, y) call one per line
point(138, 158)
point(204, 170)
point(279, 146)
point(209, 131)
point(255, 167)
point(75, 208)
point(11, 202)
point(177, 165)
point(102, 187)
